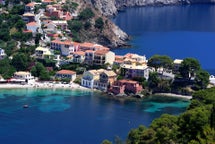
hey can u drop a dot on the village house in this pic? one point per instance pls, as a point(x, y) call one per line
point(118, 60)
point(102, 57)
point(32, 26)
point(89, 57)
point(134, 59)
point(66, 47)
point(78, 57)
point(66, 74)
point(28, 17)
point(48, 2)
point(30, 7)
point(106, 79)
point(50, 27)
point(135, 71)
point(91, 46)
point(212, 79)
point(89, 77)
point(41, 53)
point(62, 24)
point(2, 2)
point(22, 77)
point(125, 86)
point(56, 11)
point(176, 65)
point(2, 54)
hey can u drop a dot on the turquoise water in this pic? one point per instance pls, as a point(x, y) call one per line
point(64, 116)
point(177, 31)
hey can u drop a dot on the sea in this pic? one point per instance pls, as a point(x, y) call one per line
point(76, 117)
point(59, 116)
point(176, 31)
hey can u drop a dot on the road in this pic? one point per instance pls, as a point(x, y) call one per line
point(37, 19)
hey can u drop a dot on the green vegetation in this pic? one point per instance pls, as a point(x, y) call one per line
point(99, 23)
point(6, 69)
point(70, 6)
point(86, 26)
point(189, 67)
point(40, 71)
point(86, 14)
point(158, 61)
point(20, 61)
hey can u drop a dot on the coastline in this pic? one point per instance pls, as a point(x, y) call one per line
point(74, 86)
point(174, 95)
point(45, 85)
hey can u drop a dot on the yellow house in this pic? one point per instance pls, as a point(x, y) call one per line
point(41, 53)
point(89, 77)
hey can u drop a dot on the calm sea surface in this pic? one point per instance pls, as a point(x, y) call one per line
point(75, 117)
point(177, 31)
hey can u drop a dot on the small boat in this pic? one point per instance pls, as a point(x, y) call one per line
point(25, 106)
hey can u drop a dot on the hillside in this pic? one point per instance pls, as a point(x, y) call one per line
point(97, 28)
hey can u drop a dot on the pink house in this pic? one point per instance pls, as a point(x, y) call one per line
point(126, 86)
point(57, 12)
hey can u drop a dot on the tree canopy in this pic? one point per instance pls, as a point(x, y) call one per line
point(158, 61)
point(188, 67)
point(194, 126)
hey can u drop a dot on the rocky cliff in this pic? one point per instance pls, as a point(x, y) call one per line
point(110, 7)
point(109, 35)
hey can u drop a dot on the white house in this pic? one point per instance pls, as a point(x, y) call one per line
point(66, 47)
point(102, 57)
point(2, 54)
point(133, 71)
point(33, 26)
point(22, 76)
point(177, 64)
point(51, 27)
point(212, 79)
point(64, 74)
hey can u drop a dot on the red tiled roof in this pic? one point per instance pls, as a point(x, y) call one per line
point(67, 42)
point(128, 81)
point(47, 1)
point(76, 44)
point(89, 51)
point(27, 31)
point(28, 14)
point(101, 52)
point(32, 24)
point(31, 4)
point(66, 72)
point(86, 44)
point(79, 53)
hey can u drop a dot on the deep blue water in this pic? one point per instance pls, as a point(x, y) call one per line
point(75, 117)
point(177, 31)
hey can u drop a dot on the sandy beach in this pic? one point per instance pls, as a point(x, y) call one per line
point(43, 85)
point(174, 95)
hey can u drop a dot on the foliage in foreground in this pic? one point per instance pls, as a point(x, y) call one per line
point(194, 126)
